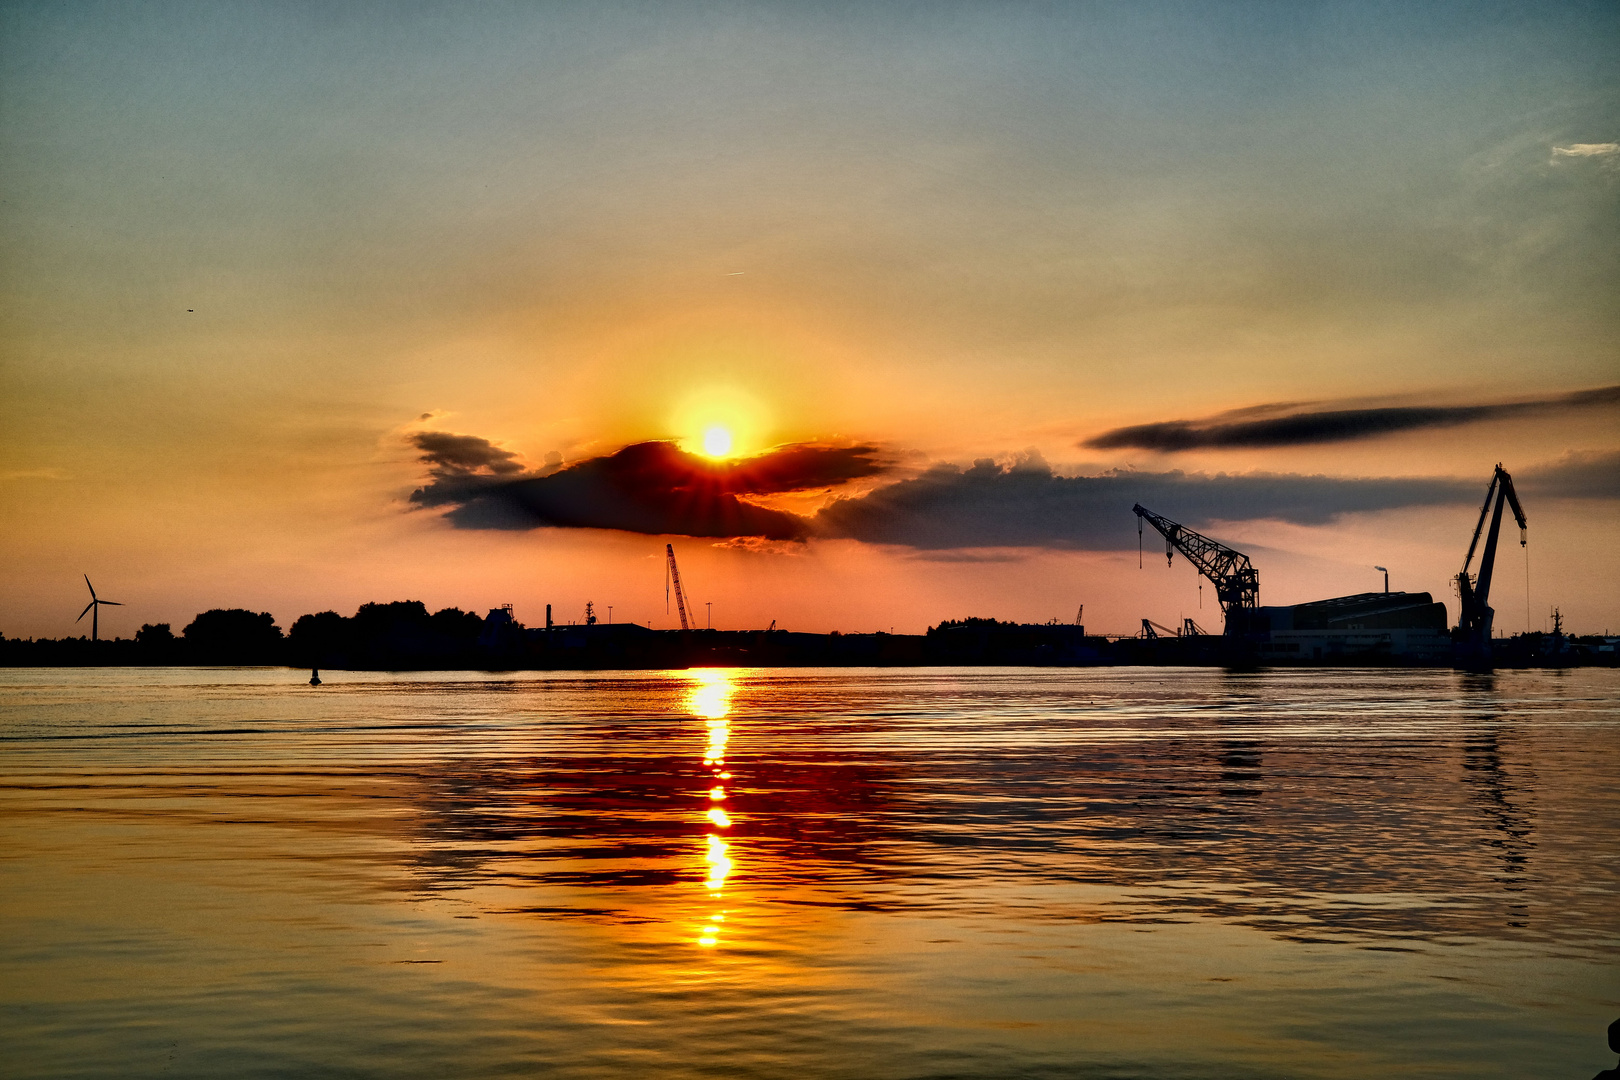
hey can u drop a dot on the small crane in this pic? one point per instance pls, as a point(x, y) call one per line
point(674, 576)
point(1236, 581)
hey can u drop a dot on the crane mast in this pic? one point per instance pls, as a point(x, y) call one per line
point(1236, 581)
point(1475, 618)
point(674, 576)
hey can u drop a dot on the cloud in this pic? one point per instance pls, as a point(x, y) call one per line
point(1587, 149)
point(652, 487)
point(1027, 505)
point(35, 474)
point(969, 555)
point(464, 454)
point(983, 513)
point(1577, 475)
point(756, 545)
point(1298, 428)
point(461, 468)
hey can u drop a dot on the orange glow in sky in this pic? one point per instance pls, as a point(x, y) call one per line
point(964, 246)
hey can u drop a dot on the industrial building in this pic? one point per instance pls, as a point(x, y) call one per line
point(1364, 627)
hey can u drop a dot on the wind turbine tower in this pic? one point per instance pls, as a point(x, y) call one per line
point(93, 609)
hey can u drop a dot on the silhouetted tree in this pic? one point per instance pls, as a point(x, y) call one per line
point(461, 627)
point(397, 634)
point(155, 643)
point(388, 635)
point(972, 621)
point(234, 636)
point(154, 634)
point(391, 614)
point(321, 638)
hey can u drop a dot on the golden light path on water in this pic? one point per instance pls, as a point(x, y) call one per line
point(709, 698)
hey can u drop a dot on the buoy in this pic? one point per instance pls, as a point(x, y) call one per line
point(314, 676)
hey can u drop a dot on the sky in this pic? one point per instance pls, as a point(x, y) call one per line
point(307, 305)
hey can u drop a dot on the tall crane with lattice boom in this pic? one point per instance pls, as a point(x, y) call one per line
point(674, 576)
point(1237, 582)
point(1474, 621)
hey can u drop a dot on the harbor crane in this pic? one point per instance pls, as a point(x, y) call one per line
point(1189, 629)
point(1236, 581)
point(674, 576)
point(1474, 620)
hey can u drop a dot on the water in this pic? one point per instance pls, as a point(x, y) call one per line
point(842, 873)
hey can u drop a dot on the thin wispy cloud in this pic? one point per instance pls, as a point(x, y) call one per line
point(35, 474)
point(1586, 150)
point(1603, 156)
point(1279, 425)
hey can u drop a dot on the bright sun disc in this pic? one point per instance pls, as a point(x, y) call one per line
point(717, 442)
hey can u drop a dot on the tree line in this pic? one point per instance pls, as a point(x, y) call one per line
point(402, 633)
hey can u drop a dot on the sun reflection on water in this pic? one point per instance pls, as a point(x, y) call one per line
point(709, 697)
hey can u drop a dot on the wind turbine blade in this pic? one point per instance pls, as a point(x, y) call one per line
point(86, 610)
point(110, 603)
point(92, 588)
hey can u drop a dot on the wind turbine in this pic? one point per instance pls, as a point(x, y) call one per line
point(93, 609)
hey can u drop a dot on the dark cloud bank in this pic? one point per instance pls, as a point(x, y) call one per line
point(652, 487)
point(1580, 475)
point(1026, 505)
point(1245, 429)
point(658, 489)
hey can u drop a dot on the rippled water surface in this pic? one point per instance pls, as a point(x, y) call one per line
point(733, 873)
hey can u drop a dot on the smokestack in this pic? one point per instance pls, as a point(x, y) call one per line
point(548, 616)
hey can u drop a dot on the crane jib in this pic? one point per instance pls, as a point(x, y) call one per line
point(1236, 581)
point(674, 577)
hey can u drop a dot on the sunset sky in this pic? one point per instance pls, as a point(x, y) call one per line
point(309, 305)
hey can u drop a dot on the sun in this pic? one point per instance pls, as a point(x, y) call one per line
point(717, 441)
point(722, 423)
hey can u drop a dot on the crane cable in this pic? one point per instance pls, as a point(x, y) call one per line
point(1527, 588)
